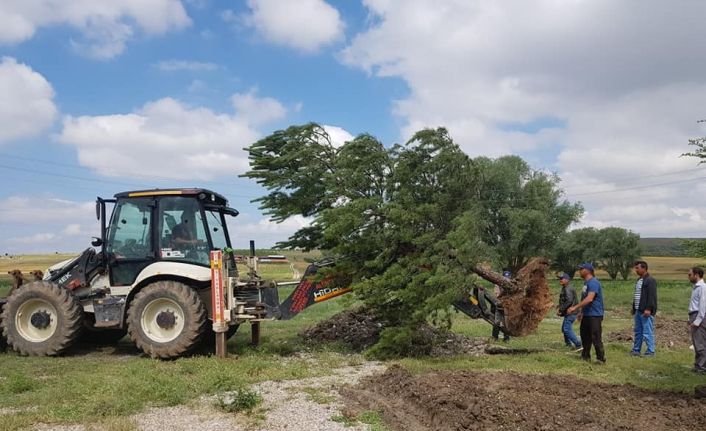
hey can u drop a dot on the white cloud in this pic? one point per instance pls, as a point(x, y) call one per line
point(306, 25)
point(257, 110)
point(589, 88)
point(26, 107)
point(43, 223)
point(72, 229)
point(167, 139)
point(190, 66)
point(338, 135)
point(265, 232)
point(105, 25)
point(37, 238)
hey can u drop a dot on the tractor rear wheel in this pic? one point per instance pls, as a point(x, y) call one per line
point(166, 319)
point(41, 319)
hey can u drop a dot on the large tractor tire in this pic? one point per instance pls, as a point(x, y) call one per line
point(166, 319)
point(41, 319)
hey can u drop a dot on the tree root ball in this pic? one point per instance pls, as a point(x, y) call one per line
point(526, 307)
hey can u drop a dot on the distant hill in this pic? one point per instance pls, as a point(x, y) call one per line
point(663, 247)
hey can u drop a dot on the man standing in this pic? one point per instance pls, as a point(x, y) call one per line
point(592, 321)
point(697, 312)
point(567, 298)
point(644, 308)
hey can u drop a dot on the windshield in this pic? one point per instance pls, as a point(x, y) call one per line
point(215, 222)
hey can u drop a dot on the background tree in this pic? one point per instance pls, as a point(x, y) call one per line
point(523, 209)
point(409, 224)
point(618, 249)
point(575, 247)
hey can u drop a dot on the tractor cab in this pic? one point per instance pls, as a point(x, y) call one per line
point(151, 226)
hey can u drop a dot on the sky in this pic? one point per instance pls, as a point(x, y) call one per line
point(104, 96)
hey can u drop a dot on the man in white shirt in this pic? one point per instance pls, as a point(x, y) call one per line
point(697, 313)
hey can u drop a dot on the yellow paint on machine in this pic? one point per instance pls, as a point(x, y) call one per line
point(155, 193)
point(332, 294)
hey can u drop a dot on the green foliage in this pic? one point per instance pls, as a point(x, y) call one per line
point(663, 247)
point(695, 247)
point(408, 223)
point(522, 209)
point(700, 144)
point(618, 250)
point(574, 247)
point(243, 399)
point(613, 249)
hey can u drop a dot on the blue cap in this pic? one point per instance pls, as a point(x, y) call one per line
point(563, 276)
point(586, 266)
point(507, 274)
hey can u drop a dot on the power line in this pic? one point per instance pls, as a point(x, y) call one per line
point(142, 175)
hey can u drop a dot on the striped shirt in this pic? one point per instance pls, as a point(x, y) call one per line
point(638, 293)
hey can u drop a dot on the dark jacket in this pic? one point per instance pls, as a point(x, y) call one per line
point(567, 298)
point(648, 297)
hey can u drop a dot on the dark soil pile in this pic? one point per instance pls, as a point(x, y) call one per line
point(669, 333)
point(467, 400)
point(358, 329)
point(527, 307)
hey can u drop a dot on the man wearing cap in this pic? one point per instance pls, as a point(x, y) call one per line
point(644, 308)
point(567, 298)
point(592, 311)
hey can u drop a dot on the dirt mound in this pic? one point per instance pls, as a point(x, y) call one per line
point(525, 308)
point(358, 329)
point(669, 333)
point(465, 400)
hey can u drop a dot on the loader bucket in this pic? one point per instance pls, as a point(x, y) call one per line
point(310, 291)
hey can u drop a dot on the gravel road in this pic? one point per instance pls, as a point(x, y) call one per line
point(306, 404)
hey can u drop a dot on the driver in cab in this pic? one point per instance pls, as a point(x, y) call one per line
point(184, 232)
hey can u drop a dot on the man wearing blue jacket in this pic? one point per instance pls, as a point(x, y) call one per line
point(592, 314)
point(644, 308)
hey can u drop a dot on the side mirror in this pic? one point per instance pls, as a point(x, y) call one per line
point(97, 242)
point(98, 209)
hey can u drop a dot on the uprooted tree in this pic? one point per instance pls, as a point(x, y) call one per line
point(415, 225)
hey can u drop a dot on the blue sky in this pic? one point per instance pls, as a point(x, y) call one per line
point(109, 95)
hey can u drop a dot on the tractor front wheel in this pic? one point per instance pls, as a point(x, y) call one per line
point(166, 319)
point(41, 319)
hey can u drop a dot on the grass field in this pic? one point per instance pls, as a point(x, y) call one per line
point(104, 385)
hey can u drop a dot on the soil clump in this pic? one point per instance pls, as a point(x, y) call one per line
point(467, 400)
point(358, 329)
point(669, 333)
point(526, 307)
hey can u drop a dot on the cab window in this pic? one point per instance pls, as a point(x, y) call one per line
point(130, 230)
point(182, 231)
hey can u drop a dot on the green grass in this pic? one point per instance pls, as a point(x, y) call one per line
point(670, 369)
point(103, 386)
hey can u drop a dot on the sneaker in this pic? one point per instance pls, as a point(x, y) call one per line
point(577, 349)
point(634, 353)
point(649, 355)
point(600, 361)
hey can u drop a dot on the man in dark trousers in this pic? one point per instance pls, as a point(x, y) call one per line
point(592, 314)
point(567, 298)
point(644, 308)
point(697, 318)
